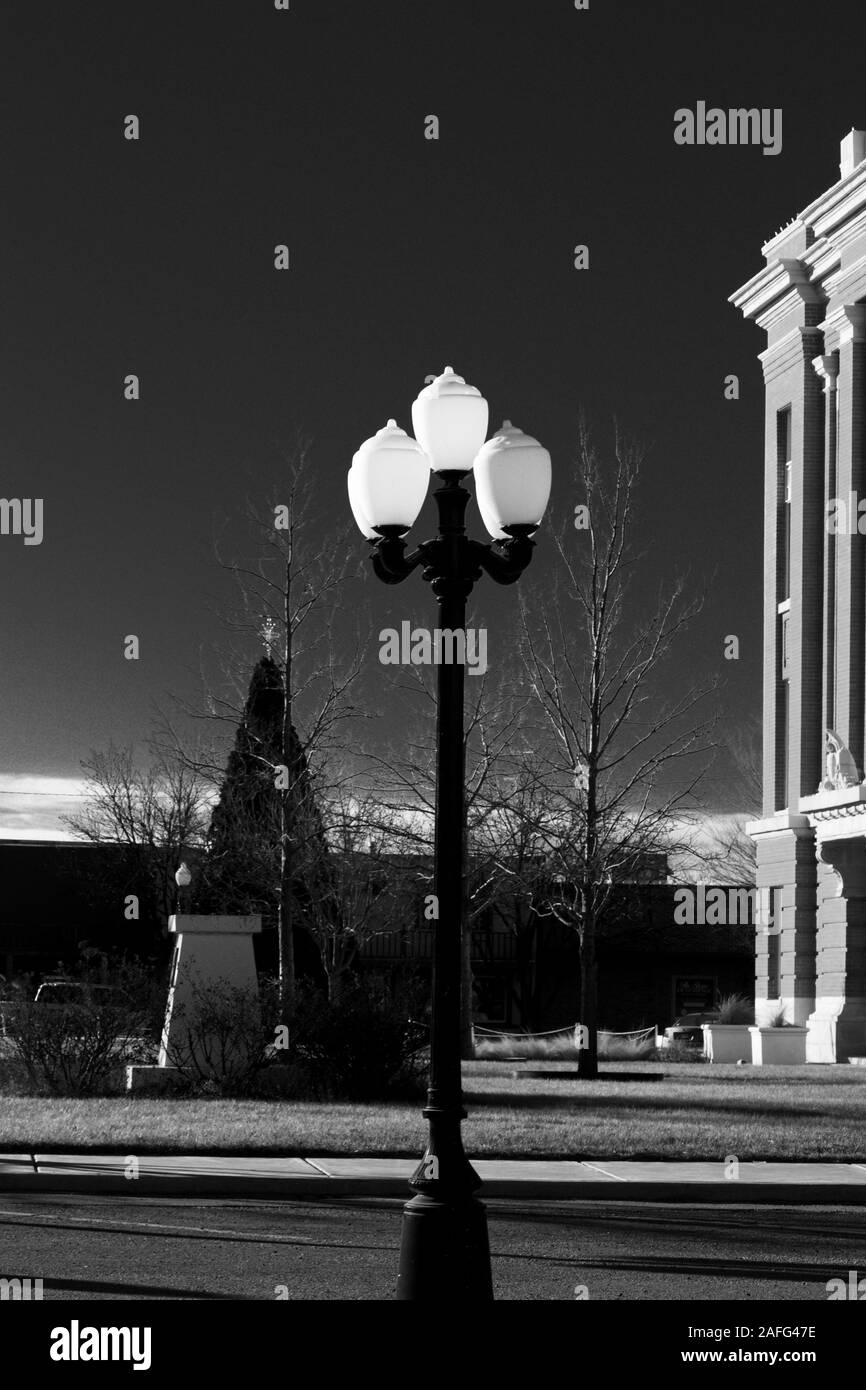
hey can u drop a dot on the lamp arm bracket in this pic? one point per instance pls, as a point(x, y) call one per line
point(504, 561)
point(392, 565)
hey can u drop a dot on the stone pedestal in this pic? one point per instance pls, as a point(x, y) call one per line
point(209, 951)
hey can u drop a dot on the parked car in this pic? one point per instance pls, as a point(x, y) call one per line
point(63, 993)
point(687, 1028)
point(59, 999)
point(79, 1008)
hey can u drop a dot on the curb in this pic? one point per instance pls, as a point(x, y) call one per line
point(718, 1193)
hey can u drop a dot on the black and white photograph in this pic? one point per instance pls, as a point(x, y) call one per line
point(432, 674)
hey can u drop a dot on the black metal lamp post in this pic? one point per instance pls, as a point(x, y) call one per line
point(183, 878)
point(445, 1255)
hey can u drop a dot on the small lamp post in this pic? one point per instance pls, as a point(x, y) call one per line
point(183, 878)
point(445, 1254)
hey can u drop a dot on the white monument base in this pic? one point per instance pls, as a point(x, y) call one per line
point(154, 1080)
point(209, 951)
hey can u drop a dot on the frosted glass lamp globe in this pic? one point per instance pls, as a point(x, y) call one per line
point(449, 418)
point(363, 523)
point(512, 481)
point(391, 473)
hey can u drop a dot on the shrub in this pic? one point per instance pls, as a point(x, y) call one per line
point(13, 1077)
point(514, 1047)
point(81, 1045)
point(223, 1037)
point(612, 1049)
point(736, 1008)
point(363, 1045)
point(679, 1051)
point(561, 1047)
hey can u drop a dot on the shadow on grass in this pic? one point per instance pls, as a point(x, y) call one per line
point(574, 1075)
point(514, 1100)
point(695, 1074)
point(705, 1074)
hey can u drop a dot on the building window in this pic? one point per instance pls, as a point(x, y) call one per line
point(694, 994)
point(773, 950)
point(782, 716)
point(489, 1001)
point(783, 458)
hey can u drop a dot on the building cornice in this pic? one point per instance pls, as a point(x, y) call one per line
point(822, 259)
point(783, 823)
point(827, 366)
point(846, 235)
point(827, 805)
point(837, 204)
point(837, 813)
point(846, 324)
point(791, 351)
point(783, 235)
point(832, 327)
point(831, 222)
point(853, 330)
point(847, 284)
point(784, 280)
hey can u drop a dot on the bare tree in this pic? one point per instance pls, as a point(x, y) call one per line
point(290, 595)
point(510, 842)
point(620, 763)
point(160, 810)
point(732, 851)
point(360, 883)
point(407, 795)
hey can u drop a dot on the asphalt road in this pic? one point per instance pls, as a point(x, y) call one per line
point(86, 1247)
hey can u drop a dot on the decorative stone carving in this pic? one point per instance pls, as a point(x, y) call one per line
point(840, 768)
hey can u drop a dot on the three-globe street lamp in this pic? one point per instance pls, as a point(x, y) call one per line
point(444, 1254)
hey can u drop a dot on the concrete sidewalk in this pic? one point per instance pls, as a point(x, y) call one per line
point(615, 1179)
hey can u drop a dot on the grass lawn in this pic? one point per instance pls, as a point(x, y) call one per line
point(684, 1111)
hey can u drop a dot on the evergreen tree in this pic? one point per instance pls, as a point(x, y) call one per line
point(242, 873)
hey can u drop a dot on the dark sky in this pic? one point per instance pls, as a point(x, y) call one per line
point(307, 127)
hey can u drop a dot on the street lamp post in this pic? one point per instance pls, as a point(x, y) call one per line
point(183, 878)
point(444, 1253)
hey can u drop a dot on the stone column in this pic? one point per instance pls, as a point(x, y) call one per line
point(837, 1027)
point(850, 681)
point(785, 852)
point(827, 367)
point(805, 621)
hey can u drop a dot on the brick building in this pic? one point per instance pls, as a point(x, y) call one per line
point(526, 968)
point(810, 299)
point(61, 895)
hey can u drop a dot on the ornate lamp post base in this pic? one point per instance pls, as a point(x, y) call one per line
point(444, 1251)
point(444, 1254)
